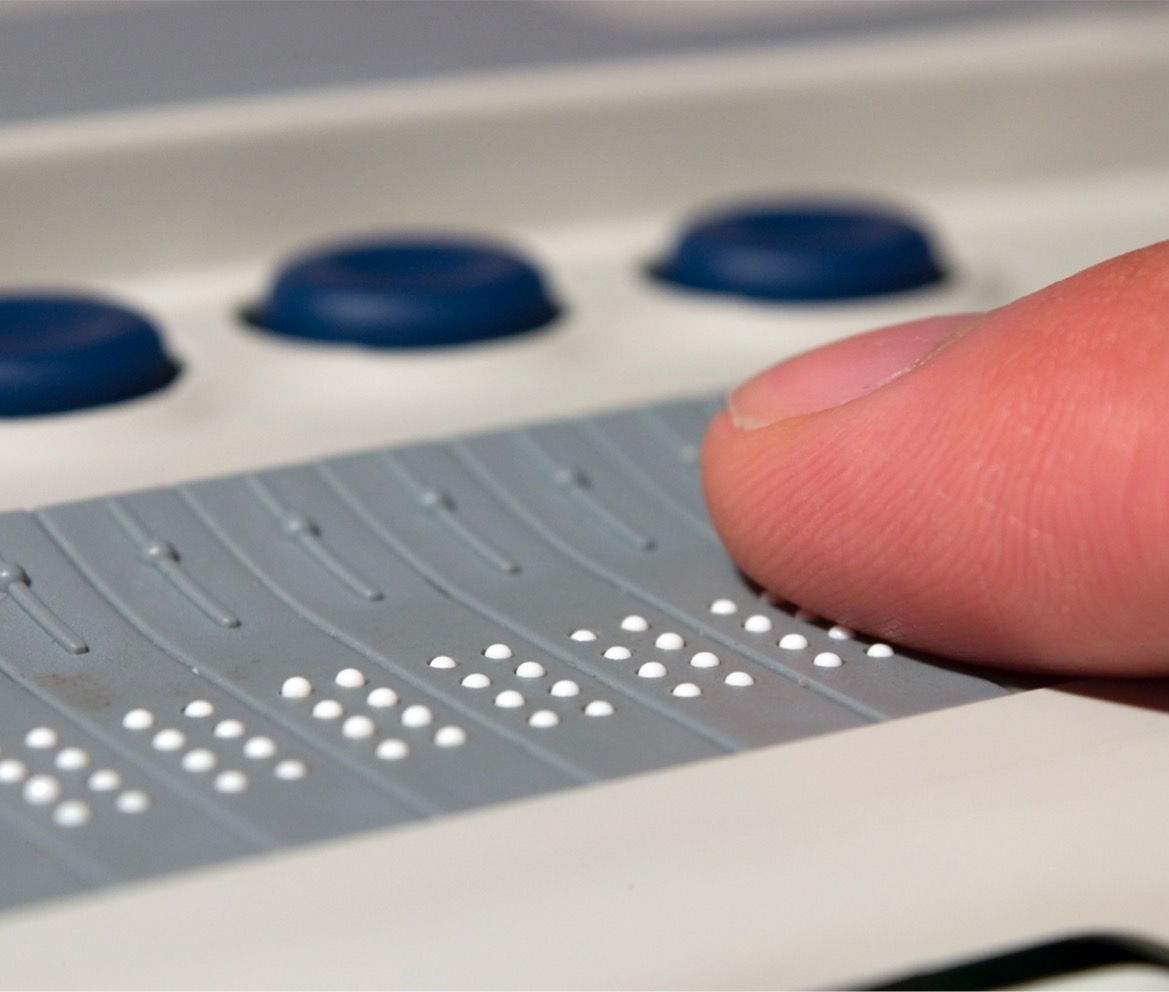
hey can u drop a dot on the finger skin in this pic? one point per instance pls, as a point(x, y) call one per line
point(1004, 502)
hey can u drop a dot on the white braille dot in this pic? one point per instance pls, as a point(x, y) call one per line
point(497, 652)
point(583, 635)
point(169, 740)
point(740, 680)
point(198, 709)
point(350, 678)
point(686, 690)
point(450, 737)
point(879, 650)
point(705, 659)
point(297, 687)
point(530, 670)
point(40, 790)
point(231, 782)
point(138, 720)
point(259, 748)
point(72, 813)
point(392, 750)
point(417, 716)
point(358, 728)
point(599, 707)
point(618, 653)
point(12, 770)
point(565, 688)
point(757, 623)
point(132, 801)
point(839, 632)
point(290, 769)
point(200, 760)
point(635, 623)
point(41, 738)
point(104, 780)
point(652, 670)
point(723, 607)
point(793, 642)
point(228, 729)
point(476, 680)
point(669, 641)
point(328, 709)
point(72, 759)
point(827, 659)
point(543, 719)
point(509, 699)
point(806, 615)
point(382, 697)
point(442, 661)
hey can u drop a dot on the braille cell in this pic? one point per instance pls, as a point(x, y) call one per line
point(635, 623)
point(740, 680)
point(530, 670)
point(564, 688)
point(296, 687)
point(670, 641)
point(705, 659)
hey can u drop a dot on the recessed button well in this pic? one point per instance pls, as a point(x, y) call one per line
point(61, 353)
point(803, 252)
point(407, 293)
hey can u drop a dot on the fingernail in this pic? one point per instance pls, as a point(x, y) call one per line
point(842, 371)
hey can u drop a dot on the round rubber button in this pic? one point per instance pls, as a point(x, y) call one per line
point(61, 353)
point(803, 252)
point(407, 293)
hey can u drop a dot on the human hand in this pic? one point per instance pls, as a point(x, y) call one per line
point(989, 487)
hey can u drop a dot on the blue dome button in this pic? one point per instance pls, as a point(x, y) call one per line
point(407, 293)
point(803, 252)
point(60, 353)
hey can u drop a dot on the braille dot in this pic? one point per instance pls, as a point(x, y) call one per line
point(351, 678)
point(635, 623)
point(132, 801)
point(497, 652)
point(417, 716)
point(723, 607)
point(12, 770)
point(138, 720)
point(392, 750)
point(827, 659)
point(450, 737)
point(806, 615)
point(583, 635)
point(328, 709)
point(509, 699)
point(839, 632)
point(200, 760)
point(476, 680)
point(618, 653)
point(879, 650)
point(72, 813)
point(740, 680)
point(259, 748)
point(686, 690)
point(358, 728)
point(290, 769)
point(442, 661)
point(231, 782)
point(757, 623)
point(297, 687)
point(40, 790)
point(599, 707)
point(104, 780)
point(198, 708)
point(565, 688)
point(41, 738)
point(705, 659)
point(793, 642)
point(228, 729)
point(652, 670)
point(543, 719)
point(382, 698)
point(669, 641)
point(530, 670)
point(169, 740)
point(72, 759)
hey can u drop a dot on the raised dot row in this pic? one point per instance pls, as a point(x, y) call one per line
point(45, 790)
